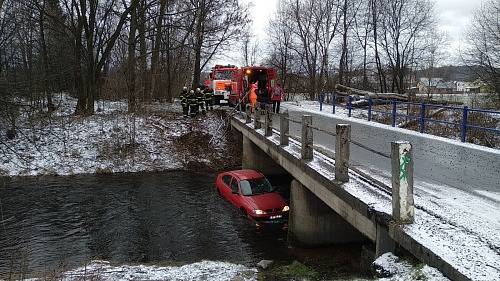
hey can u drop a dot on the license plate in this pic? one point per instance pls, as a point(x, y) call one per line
point(275, 217)
point(223, 101)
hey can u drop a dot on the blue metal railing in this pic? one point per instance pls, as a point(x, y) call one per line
point(422, 118)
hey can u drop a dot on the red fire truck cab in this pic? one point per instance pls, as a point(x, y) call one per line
point(231, 84)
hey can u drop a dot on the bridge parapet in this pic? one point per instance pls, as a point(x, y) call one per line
point(401, 155)
point(365, 202)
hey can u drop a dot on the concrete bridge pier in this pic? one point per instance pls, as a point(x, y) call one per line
point(256, 159)
point(313, 223)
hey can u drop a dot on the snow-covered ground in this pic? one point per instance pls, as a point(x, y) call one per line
point(204, 270)
point(109, 141)
point(391, 268)
point(388, 267)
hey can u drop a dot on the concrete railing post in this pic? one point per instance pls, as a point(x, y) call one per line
point(268, 128)
point(248, 114)
point(284, 128)
point(256, 120)
point(402, 182)
point(307, 138)
point(342, 151)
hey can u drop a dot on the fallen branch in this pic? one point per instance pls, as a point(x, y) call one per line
point(347, 91)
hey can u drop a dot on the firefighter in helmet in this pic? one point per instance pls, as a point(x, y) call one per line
point(193, 104)
point(201, 100)
point(209, 98)
point(184, 101)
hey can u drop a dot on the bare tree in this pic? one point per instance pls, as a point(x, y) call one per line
point(279, 44)
point(403, 25)
point(218, 23)
point(92, 24)
point(484, 45)
point(250, 48)
point(313, 27)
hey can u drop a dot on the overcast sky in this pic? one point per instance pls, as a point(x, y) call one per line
point(453, 18)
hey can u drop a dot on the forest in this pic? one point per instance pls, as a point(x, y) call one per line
point(143, 50)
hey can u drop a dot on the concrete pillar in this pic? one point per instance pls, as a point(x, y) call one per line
point(384, 242)
point(268, 124)
point(255, 159)
point(402, 182)
point(314, 223)
point(342, 151)
point(256, 122)
point(284, 128)
point(307, 138)
point(248, 114)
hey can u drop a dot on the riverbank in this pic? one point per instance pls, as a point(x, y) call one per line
point(156, 138)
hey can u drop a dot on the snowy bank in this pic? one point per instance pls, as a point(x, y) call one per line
point(391, 268)
point(204, 270)
point(111, 141)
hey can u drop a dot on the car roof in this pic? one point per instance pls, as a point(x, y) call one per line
point(246, 174)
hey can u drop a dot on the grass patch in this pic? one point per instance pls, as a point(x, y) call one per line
point(293, 271)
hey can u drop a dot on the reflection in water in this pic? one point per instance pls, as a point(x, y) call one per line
point(54, 221)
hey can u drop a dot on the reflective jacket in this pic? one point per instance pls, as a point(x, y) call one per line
point(184, 98)
point(200, 97)
point(208, 95)
point(192, 99)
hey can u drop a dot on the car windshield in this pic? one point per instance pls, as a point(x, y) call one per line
point(255, 187)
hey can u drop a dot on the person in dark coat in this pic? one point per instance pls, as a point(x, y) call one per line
point(184, 101)
point(201, 99)
point(193, 104)
point(276, 98)
point(209, 98)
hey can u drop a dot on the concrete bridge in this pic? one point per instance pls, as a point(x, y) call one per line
point(403, 191)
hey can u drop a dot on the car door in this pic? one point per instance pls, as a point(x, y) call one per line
point(226, 186)
point(235, 192)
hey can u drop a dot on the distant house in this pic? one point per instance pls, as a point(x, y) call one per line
point(435, 86)
point(468, 87)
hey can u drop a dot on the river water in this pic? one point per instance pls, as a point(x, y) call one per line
point(50, 223)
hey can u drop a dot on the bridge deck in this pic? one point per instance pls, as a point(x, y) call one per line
point(436, 237)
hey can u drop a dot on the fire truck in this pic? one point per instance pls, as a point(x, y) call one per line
point(223, 79)
point(231, 84)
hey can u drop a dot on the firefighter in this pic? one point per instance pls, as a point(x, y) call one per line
point(209, 98)
point(252, 96)
point(201, 100)
point(193, 104)
point(184, 101)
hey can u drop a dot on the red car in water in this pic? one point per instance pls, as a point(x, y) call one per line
point(253, 195)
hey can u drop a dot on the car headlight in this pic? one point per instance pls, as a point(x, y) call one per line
point(259, 212)
point(286, 209)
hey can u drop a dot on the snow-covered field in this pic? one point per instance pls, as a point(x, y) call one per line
point(108, 142)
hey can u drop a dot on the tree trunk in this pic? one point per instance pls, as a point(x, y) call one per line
point(141, 26)
point(197, 49)
point(155, 56)
point(343, 57)
point(45, 60)
point(132, 60)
